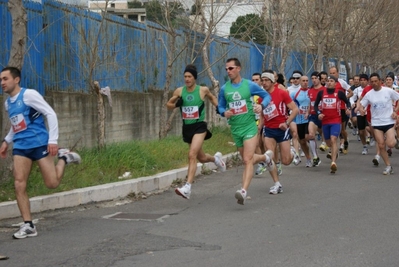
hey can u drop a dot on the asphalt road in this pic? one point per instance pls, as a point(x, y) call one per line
point(350, 218)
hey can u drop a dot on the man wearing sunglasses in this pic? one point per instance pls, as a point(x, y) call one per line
point(234, 103)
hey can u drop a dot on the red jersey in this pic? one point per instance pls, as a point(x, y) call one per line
point(367, 89)
point(276, 112)
point(331, 107)
point(312, 93)
point(338, 86)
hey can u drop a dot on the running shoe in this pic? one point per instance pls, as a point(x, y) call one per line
point(269, 165)
point(333, 167)
point(219, 162)
point(261, 168)
point(372, 141)
point(376, 160)
point(279, 169)
point(323, 147)
point(309, 163)
point(341, 148)
point(316, 161)
point(346, 145)
point(302, 153)
point(368, 140)
point(183, 191)
point(329, 155)
point(240, 196)
point(70, 157)
point(365, 150)
point(388, 170)
point(389, 151)
point(276, 189)
point(25, 231)
point(295, 159)
point(358, 138)
point(354, 131)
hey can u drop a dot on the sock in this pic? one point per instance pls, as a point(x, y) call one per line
point(188, 185)
point(313, 145)
point(277, 184)
point(30, 223)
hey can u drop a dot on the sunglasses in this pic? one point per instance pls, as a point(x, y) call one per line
point(231, 68)
point(296, 78)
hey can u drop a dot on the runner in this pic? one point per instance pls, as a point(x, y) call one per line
point(235, 104)
point(383, 116)
point(330, 116)
point(32, 141)
point(190, 99)
point(276, 126)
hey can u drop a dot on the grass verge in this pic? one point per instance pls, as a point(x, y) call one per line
point(140, 158)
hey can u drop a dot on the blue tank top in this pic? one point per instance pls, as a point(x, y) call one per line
point(27, 124)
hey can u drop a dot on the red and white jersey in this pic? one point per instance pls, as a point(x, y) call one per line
point(331, 107)
point(312, 92)
point(276, 112)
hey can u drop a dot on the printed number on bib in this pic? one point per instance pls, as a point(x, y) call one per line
point(270, 112)
point(18, 123)
point(329, 103)
point(190, 113)
point(238, 107)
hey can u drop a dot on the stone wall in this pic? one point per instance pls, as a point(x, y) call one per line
point(133, 116)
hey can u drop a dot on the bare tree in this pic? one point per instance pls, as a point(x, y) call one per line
point(18, 45)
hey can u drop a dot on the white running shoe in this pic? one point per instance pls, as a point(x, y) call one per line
point(241, 195)
point(25, 231)
point(388, 170)
point(219, 162)
point(372, 141)
point(333, 167)
point(70, 157)
point(183, 191)
point(309, 163)
point(323, 147)
point(279, 169)
point(302, 153)
point(365, 150)
point(296, 159)
point(276, 189)
point(261, 168)
point(269, 165)
point(376, 160)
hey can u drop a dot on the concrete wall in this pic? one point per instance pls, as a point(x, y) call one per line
point(133, 116)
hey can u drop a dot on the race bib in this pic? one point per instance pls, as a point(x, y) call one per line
point(238, 107)
point(190, 113)
point(270, 112)
point(18, 123)
point(329, 103)
point(303, 109)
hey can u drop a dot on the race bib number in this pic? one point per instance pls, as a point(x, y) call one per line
point(18, 123)
point(270, 112)
point(329, 103)
point(303, 109)
point(190, 113)
point(239, 107)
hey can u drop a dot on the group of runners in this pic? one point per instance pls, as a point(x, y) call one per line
point(272, 125)
point(269, 125)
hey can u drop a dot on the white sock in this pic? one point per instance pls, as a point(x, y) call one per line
point(188, 185)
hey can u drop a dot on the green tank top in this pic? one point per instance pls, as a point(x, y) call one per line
point(239, 101)
point(192, 110)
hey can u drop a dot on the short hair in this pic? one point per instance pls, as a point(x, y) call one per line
point(280, 79)
point(236, 61)
point(322, 73)
point(364, 76)
point(375, 74)
point(257, 73)
point(15, 72)
point(315, 73)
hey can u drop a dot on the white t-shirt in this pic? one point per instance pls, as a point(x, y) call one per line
point(380, 105)
point(357, 93)
point(294, 88)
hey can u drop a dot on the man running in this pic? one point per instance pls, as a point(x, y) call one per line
point(383, 116)
point(191, 101)
point(32, 141)
point(234, 103)
point(330, 116)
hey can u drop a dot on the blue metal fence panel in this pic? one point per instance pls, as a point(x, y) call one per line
point(68, 47)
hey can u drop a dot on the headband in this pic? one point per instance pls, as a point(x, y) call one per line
point(268, 76)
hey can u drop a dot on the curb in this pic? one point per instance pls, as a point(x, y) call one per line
point(104, 192)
